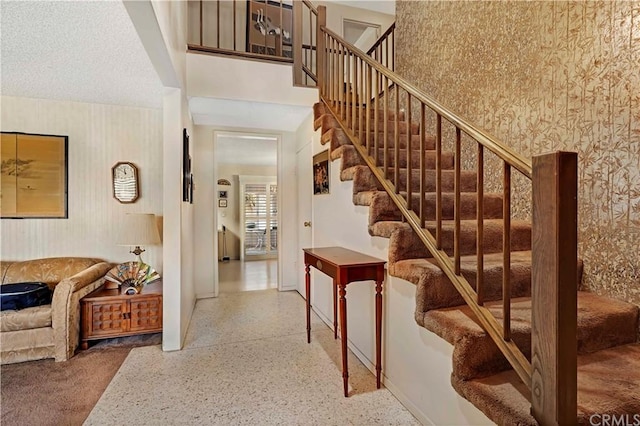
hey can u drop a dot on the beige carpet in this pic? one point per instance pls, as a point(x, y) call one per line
point(63, 393)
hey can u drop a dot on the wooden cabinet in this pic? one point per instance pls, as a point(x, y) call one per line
point(110, 313)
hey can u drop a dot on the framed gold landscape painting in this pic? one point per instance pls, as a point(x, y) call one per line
point(33, 179)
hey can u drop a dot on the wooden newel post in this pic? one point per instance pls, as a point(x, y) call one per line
point(554, 288)
point(297, 42)
point(321, 53)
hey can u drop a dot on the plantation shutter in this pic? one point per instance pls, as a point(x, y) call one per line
point(260, 218)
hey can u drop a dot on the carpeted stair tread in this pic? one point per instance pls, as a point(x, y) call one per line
point(503, 398)
point(383, 208)
point(366, 181)
point(434, 289)
point(429, 140)
point(386, 228)
point(363, 198)
point(602, 389)
point(403, 126)
point(602, 323)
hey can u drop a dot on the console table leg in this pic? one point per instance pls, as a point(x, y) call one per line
point(307, 281)
point(335, 309)
point(343, 336)
point(378, 331)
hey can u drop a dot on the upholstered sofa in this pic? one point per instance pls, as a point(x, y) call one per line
point(48, 331)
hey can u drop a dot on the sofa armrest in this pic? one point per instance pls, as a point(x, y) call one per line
point(65, 307)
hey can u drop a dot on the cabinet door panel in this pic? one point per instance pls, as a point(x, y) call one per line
point(108, 318)
point(146, 313)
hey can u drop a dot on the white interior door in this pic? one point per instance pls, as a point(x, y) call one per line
point(305, 190)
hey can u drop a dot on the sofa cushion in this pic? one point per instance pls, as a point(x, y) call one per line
point(49, 270)
point(29, 318)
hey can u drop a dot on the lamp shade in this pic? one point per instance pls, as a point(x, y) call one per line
point(138, 229)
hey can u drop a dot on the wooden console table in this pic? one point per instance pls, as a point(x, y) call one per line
point(345, 266)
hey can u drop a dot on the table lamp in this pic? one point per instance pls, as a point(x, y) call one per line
point(136, 230)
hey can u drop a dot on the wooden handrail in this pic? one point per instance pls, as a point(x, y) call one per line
point(381, 39)
point(502, 151)
point(310, 6)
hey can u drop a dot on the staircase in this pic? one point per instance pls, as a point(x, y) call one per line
point(607, 328)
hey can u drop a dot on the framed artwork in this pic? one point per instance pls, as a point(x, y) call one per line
point(186, 167)
point(269, 25)
point(222, 203)
point(222, 194)
point(34, 176)
point(321, 173)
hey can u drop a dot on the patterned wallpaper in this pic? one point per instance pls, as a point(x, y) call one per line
point(544, 76)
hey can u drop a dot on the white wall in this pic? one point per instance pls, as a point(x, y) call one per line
point(99, 136)
point(241, 79)
point(179, 288)
point(416, 363)
point(336, 13)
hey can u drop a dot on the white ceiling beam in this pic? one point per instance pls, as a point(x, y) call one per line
point(146, 24)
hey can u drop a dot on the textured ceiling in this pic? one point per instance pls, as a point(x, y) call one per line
point(75, 50)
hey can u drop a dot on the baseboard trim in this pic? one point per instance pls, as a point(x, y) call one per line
point(395, 391)
point(205, 295)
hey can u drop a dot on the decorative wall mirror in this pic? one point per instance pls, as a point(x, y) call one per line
point(125, 182)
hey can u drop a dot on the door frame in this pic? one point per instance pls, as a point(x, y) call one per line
point(279, 167)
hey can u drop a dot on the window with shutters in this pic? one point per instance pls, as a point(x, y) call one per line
point(259, 216)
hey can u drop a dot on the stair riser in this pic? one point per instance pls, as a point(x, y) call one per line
point(402, 126)
point(382, 208)
point(437, 291)
point(405, 244)
point(390, 117)
point(429, 141)
point(390, 114)
point(447, 159)
point(350, 158)
point(493, 235)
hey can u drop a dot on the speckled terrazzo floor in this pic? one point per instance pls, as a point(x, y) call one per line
point(246, 362)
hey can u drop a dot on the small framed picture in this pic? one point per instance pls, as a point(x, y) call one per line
point(321, 173)
point(222, 194)
point(222, 203)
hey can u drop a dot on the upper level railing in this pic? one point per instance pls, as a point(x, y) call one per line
point(370, 118)
point(251, 29)
point(268, 30)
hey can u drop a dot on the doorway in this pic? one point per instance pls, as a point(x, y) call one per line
point(247, 206)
